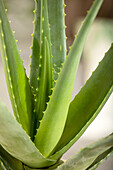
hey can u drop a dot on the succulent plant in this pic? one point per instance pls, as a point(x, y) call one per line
point(46, 123)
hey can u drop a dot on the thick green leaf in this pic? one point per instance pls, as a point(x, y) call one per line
point(57, 32)
point(10, 161)
point(17, 143)
point(45, 83)
point(2, 167)
point(35, 57)
point(41, 76)
point(89, 101)
point(17, 82)
point(101, 158)
point(51, 130)
point(51, 167)
point(45, 79)
point(88, 155)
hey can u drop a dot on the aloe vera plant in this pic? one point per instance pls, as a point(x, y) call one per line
point(46, 123)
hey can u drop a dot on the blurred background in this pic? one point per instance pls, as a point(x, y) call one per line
point(98, 42)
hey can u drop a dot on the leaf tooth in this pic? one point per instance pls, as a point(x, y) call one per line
point(64, 14)
point(32, 87)
point(38, 78)
point(41, 57)
point(9, 78)
point(64, 5)
point(62, 64)
point(13, 32)
point(34, 94)
point(6, 10)
point(42, 31)
point(35, 99)
point(34, 110)
point(2, 35)
point(76, 35)
point(37, 89)
point(70, 47)
point(60, 47)
point(6, 59)
point(32, 34)
point(34, 11)
point(8, 70)
point(4, 47)
point(42, 19)
point(54, 65)
point(40, 121)
point(36, 133)
point(52, 88)
point(40, 65)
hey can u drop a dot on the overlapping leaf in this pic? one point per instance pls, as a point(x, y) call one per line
point(45, 79)
point(35, 57)
point(101, 158)
point(41, 76)
point(17, 82)
point(57, 32)
point(17, 143)
point(94, 94)
point(10, 161)
point(88, 155)
point(50, 129)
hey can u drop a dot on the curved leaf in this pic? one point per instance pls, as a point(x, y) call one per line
point(41, 75)
point(87, 103)
point(88, 155)
point(2, 166)
point(57, 109)
point(45, 77)
point(17, 82)
point(17, 143)
point(10, 161)
point(35, 57)
point(101, 158)
point(57, 32)
point(92, 94)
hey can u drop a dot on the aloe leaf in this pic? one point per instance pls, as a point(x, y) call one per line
point(88, 155)
point(10, 161)
point(17, 82)
point(51, 167)
point(45, 83)
point(57, 109)
point(94, 93)
point(101, 158)
point(45, 77)
point(35, 57)
point(17, 143)
point(57, 32)
point(2, 167)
